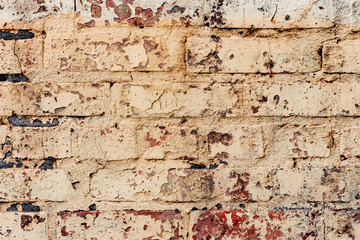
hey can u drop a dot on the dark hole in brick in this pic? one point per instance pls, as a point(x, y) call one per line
point(29, 207)
point(14, 78)
point(213, 166)
point(287, 17)
point(21, 34)
point(197, 166)
point(25, 122)
point(224, 162)
point(215, 38)
point(92, 207)
point(218, 206)
point(48, 164)
point(242, 205)
point(12, 208)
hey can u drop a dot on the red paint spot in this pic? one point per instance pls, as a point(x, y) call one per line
point(64, 233)
point(153, 142)
point(215, 226)
point(273, 234)
point(276, 215)
point(239, 192)
point(161, 215)
point(82, 214)
point(110, 4)
point(95, 11)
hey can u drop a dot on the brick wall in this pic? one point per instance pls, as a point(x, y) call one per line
point(199, 120)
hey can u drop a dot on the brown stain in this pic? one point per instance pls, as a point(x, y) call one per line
point(214, 225)
point(217, 137)
point(150, 45)
point(162, 216)
point(95, 11)
point(26, 220)
point(123, 12)
point(238, 191)
point(82, 214)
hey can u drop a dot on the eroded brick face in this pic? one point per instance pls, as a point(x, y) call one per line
point(194, 120)
point(257, 224)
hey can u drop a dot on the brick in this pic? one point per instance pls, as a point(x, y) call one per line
point(4, 131)
point(341, 56)
point(350, 142)
point(235, 142)
point(28, 185)
point(274, 99)
point(25, 226)
point(63, 99)
point(260, 223)
point(104, 53)
point(347, 99)
point(176, 100)
point(182, 185)
point(302, 141)
point(107, 143)
point(168, 142)
point(14, 10)
point(140, 13)
point(271, 14)
point(29, 53)
point(120, 224)
point(347, 13)
point(241, 55)
point(36, 143)
point(9, 63)
point(57, 144)
point(27, 143)
point(314, 184)
point(342, 224)
point(252, 184)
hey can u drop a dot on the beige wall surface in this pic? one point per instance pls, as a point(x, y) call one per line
point(194, 120)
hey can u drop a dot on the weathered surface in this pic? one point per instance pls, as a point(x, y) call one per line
point(314, 184)
point(26, 226)
point(342, 56)
point(25, 185)
point(347, 100)
point(288, 99)
point(167, 185)
point(302, 142)
point(350, 141)
point(121, 225)
point(176, 100)
point(107, 143)
point(11, 10)
point(139, 13)
point(235, 142)
point(251, 184)
point(257, 224)
point(106, 53)
point(35, 143)
point(241, 55)
point(153, 119)
point(342, 224)
point(270, 14)
point(168, 142)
